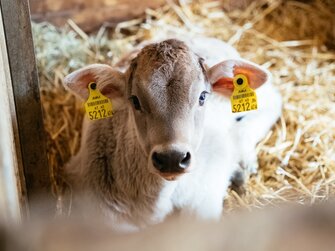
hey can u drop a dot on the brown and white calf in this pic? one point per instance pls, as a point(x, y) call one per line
point(172, 143)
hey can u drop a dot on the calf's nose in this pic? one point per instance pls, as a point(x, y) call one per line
point(171, 161)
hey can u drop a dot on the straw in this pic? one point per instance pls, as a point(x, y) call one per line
point(292, 38)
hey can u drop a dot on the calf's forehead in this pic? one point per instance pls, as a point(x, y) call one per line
point(167, 73)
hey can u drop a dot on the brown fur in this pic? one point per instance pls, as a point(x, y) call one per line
point(121, 182)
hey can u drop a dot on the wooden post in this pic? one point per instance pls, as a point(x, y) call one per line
point(26, 167)
point(12, 187)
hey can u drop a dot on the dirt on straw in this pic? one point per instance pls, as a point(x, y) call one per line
point(294, 39)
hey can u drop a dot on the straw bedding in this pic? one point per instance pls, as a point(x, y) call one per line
point(294, 39)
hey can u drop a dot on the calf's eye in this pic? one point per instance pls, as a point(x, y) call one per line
point(136, 102)
point(202, 98)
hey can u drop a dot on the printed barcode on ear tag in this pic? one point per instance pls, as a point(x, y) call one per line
point(243, 98)
point(97, 106)
point(98, 102)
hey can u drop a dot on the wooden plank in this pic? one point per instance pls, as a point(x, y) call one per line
point(90, 15)
point(12, 185)
point(23, 90)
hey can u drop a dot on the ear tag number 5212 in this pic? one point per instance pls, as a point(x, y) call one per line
point(97, 106)
point(243, 98)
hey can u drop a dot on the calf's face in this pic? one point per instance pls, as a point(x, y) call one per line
point(165, 91)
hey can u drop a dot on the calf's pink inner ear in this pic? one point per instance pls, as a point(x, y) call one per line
point(108, 81)
point(224, 86)
point(256, 76)
point(78, 82)
point(85, 79)
point(230, 68)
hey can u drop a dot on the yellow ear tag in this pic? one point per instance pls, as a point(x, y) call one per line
point(97, 106)
point(243, 98)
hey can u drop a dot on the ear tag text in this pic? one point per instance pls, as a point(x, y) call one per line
point(243, 98)
point(97, 106)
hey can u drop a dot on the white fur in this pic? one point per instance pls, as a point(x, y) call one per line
point(254, 126)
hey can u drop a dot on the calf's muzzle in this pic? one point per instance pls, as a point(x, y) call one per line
point(171, 161)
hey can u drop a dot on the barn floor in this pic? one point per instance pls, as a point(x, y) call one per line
point(297, 157)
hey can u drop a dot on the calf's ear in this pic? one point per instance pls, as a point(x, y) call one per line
point(222, 74)
point(110, 82)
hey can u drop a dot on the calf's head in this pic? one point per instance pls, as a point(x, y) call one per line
point(165, 91)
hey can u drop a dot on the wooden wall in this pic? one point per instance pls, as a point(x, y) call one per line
point(89, 14)
point(24, 171)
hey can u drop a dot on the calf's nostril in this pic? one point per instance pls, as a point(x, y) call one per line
point(158, 163)
point(185, 162)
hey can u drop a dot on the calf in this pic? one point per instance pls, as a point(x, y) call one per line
point(172, 142)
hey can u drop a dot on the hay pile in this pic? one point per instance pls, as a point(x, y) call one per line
point(292, 38)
